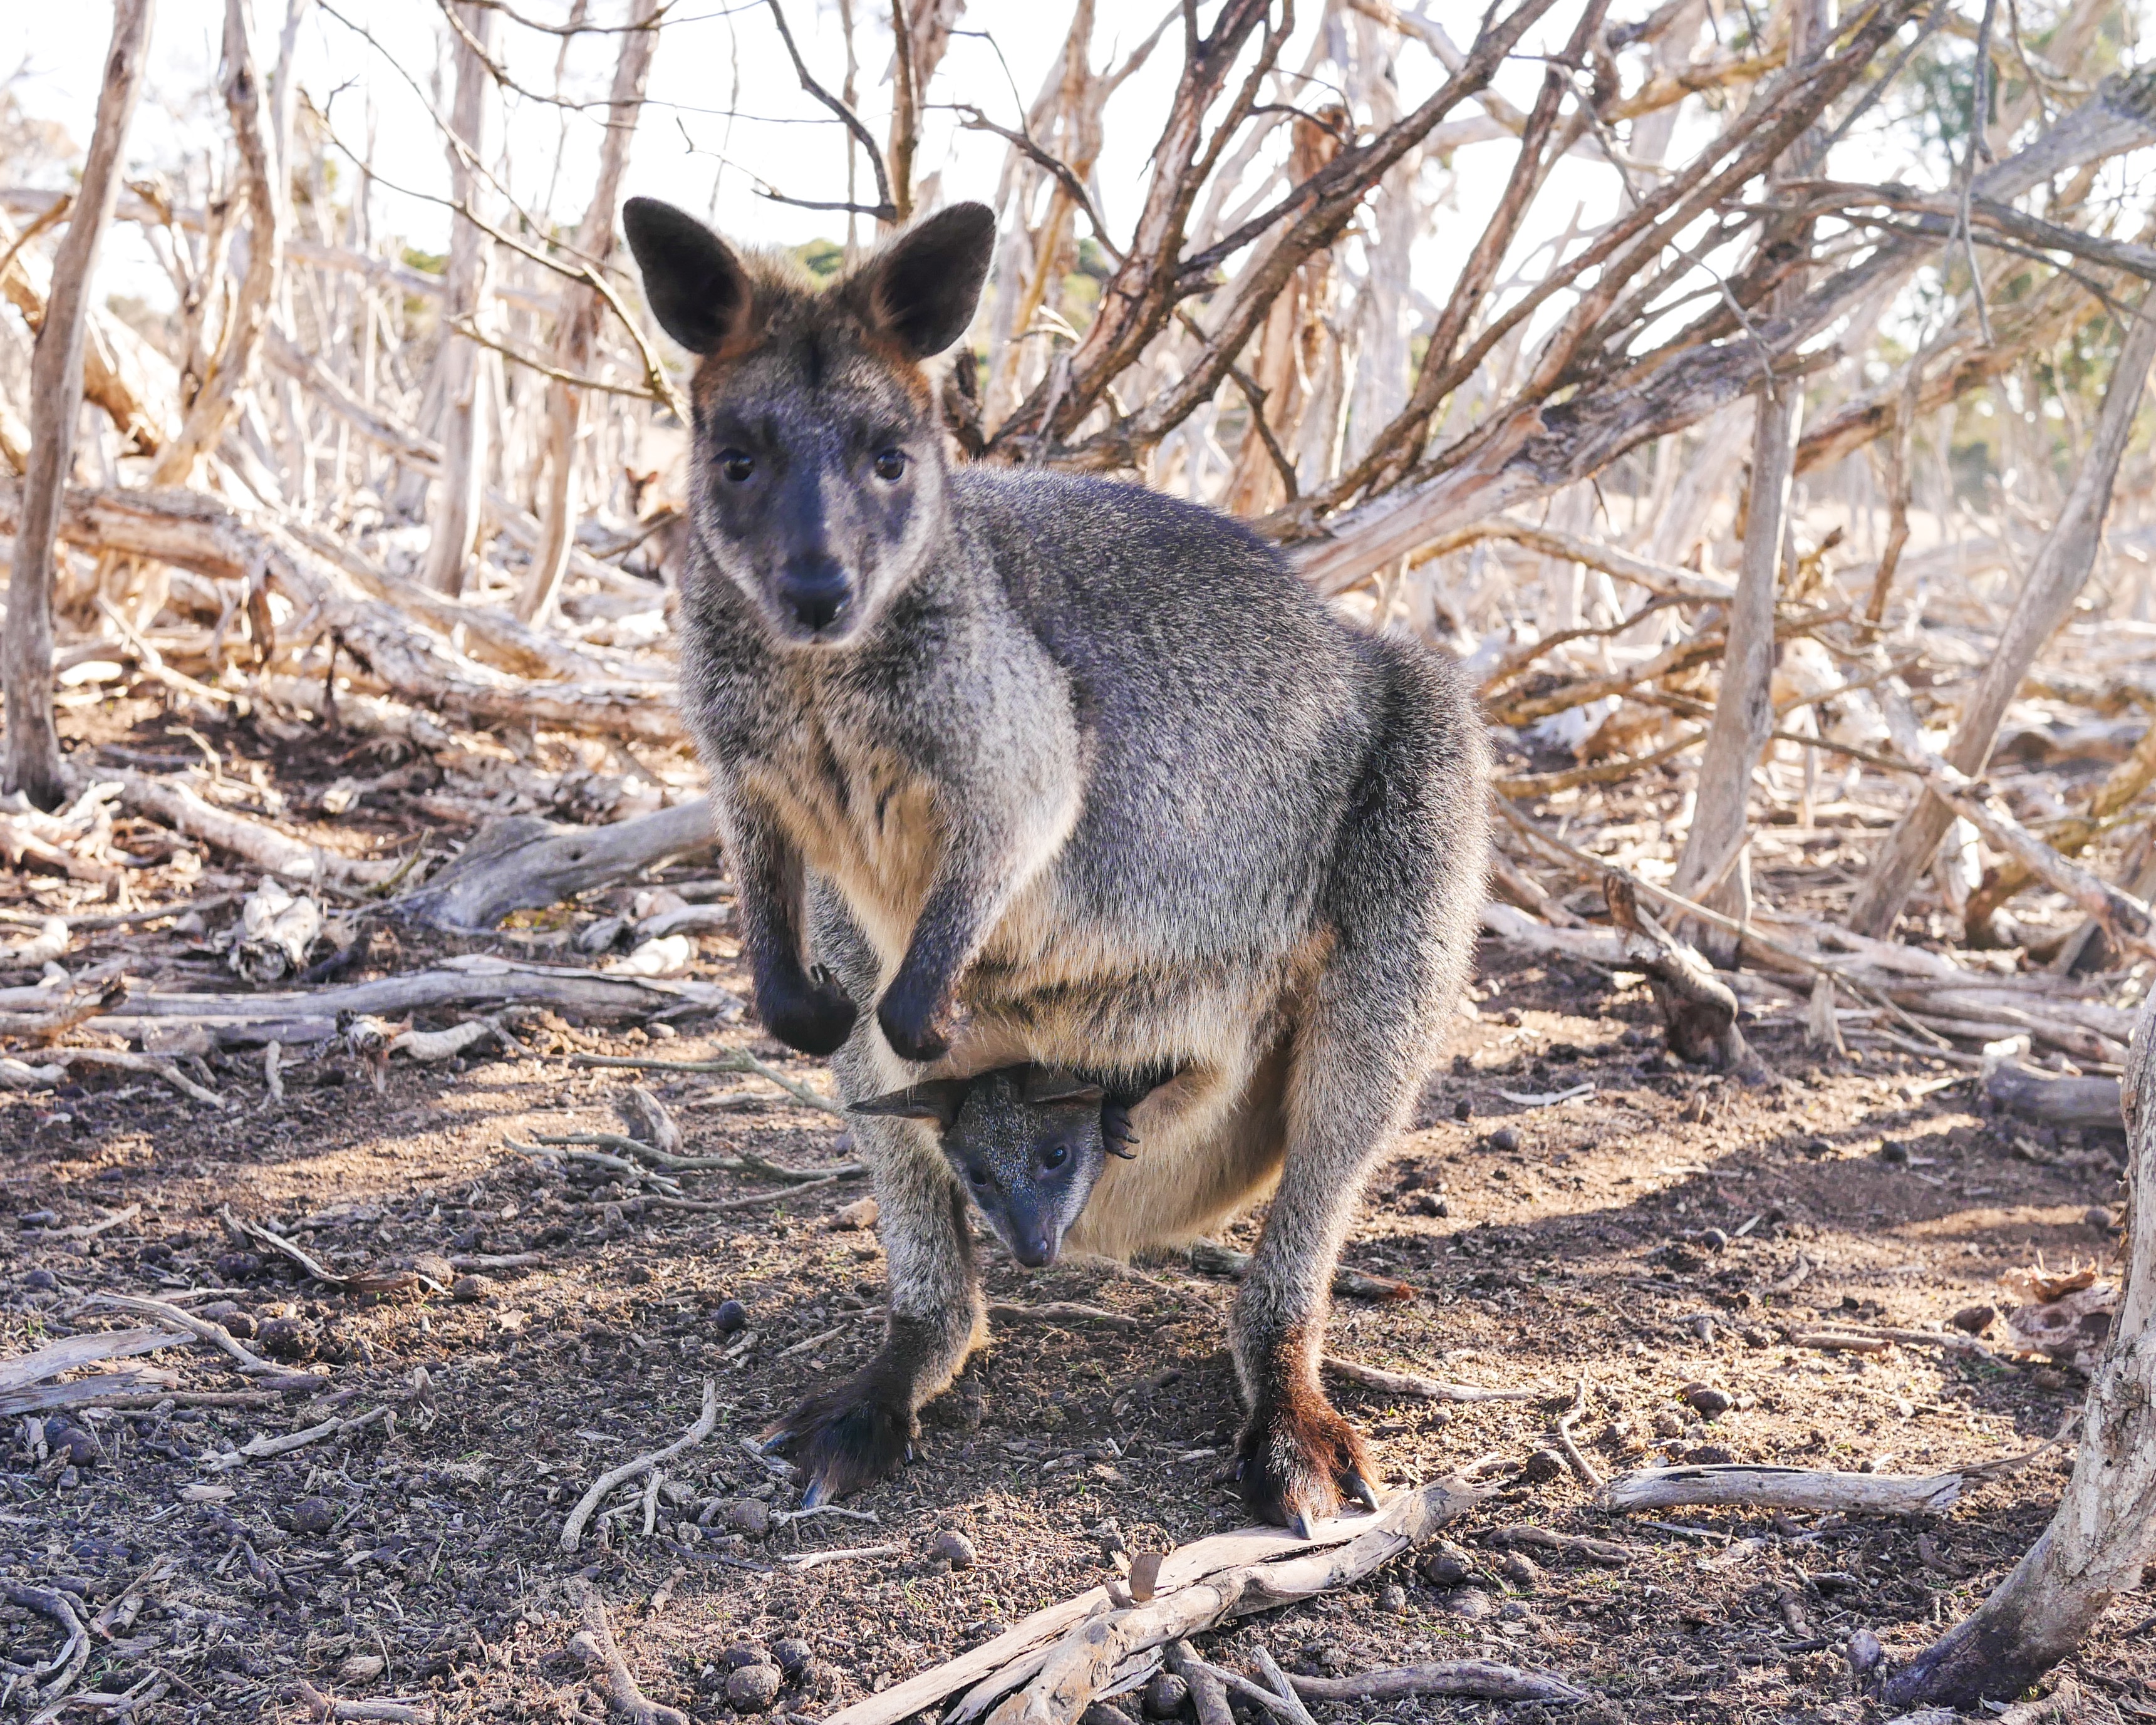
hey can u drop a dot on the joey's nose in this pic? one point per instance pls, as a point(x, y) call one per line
point(816, 590)
point(1035, 1250)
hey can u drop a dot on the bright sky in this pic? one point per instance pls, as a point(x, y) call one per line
point(716, 56)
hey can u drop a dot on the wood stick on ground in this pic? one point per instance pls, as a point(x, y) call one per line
point(377, 1282)
point(71, 1352)
point(1208, 1695)
point(97, 1390)
point(1292, 1707)
point(2050, 1101)
point(323, 1708)
point(1606, 1552)
point(1200, 1584)
point(2103, 1534)
point(593, 1644)
point(1484, 1678)
point(1421, 1389)
point(262, 1449)
point(1698, 1008)
point(523, 862)
point(1783, 1488)
point(67, 1664)
point(816, 1559)
point(735, 1060)
point(1214, 1258)
point(249, 1363)
point(1583, 1470)
point(573, 1530)
point(748, 1163)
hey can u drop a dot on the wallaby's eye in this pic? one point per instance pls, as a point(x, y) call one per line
point(890, 464)
point(1054, 1156)
point(737, 464)
point(978, 1176)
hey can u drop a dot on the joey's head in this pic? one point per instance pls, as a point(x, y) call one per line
point(1029, 1143)
point(818, 478)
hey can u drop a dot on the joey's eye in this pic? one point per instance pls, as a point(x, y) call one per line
point(890, 464)
point(1054, 1156)
point(737, 464)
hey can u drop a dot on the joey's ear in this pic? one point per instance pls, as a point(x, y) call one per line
point(693, 282)
point(1045, 1084)
point(938, 1099)
point(921, 291)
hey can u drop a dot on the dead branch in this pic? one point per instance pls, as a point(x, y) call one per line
point(594, 1646)
point(1485, 1679)
point(573, 1529)
point(526, 863)
point(1214, 1258)
point(1783, 1488)
point(1421, 1389)
point(2052, 1101)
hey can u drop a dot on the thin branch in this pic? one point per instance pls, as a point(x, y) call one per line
point(887, 205)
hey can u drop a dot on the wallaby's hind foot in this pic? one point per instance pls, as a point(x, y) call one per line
point(1298, 1461)
point(855, 1434)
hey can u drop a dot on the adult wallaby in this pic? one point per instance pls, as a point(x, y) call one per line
point(1013, 766)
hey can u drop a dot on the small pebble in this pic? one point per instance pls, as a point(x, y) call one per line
point(1504, 1138)
point(749, 1516)
point(40, 1281)
point(743, 1653)
point(1754, 1336)
point(1543, 1466)
point(2098, 1217)
point(1865, 1653)
point(1668, 1424)
point(1973, 1320)
point(1447, 1564)
point(72, 1441)
point(435, 1268)
point(1429, 1204)
point(313, 1515)
point(1393, 1598)
point(1463, 1109)
point(860, 1213)
point(1166, 1696)
point(1894, 1151)
point(956, 1546)
point(1706, 1401)
point(1714, 1239)
point(1520, 1569)
point(753, 1688)
point(288, 1338)
point(473, 1289)
point(729, 1315)
point(793, 1655)
point(1470, 1602)
point(1708, 1456)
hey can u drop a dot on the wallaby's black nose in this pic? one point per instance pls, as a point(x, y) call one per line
point(817, 590)
point(1035, 1251)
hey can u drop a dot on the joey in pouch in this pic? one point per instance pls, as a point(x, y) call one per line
point(1022, 769)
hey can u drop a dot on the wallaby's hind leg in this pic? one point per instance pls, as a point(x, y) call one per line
point(854, 1434)
point(1402, 902)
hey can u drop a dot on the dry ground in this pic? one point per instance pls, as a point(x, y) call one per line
point(420, 1558)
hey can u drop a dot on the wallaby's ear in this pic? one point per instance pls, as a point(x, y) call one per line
point(922, 289)
point(694, 284)
point(938, 1099)
point(1046, 1084)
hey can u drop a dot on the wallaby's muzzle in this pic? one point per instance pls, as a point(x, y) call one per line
point(816, 593)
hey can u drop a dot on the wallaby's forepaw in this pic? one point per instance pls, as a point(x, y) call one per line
point(842, 1441)
point(807, 1010)
point(917, 1027)
point(1298, 1461)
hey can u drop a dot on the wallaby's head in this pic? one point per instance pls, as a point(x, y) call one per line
point(817, 474)
point(1027, 1142)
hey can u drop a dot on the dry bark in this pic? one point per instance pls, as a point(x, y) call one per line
point(32, 763)
point(1783, 1488)
point(524, 862)
point(2103, 1535)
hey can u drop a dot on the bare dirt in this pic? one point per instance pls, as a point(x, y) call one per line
point(1636, 1238)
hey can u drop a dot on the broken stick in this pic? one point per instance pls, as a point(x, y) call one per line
point(573, 1530)
point(1785, 1488)
point(594, 1646)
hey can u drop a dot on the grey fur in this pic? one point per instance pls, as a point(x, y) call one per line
point(1078, 775)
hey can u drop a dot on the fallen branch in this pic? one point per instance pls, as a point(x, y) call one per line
point(523, 862)
point(322, 1708)
point(71, 1352)
point(735, 1061)
point(1783, 1488)
point(593, 1644)
point(1065, 1654)
point(262, 1449)
point(1213, 1258)
point(817, 1559)
point(1427, 1390)
point(67, 1664)
point(100, 1390)
point(250, 1364)
point(1606, 1552)
point(376, 1283)
point(1482, 1678)
point(2052, 1101)
point(573, 1530)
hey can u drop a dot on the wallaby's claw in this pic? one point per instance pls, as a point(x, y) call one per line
point(1299, 1460)
point(843, 1440)
point(918, 1029)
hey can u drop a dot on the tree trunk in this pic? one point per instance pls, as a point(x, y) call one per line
point(2103, 1534)
point(33, 761)
point(1744, 708)
point(463, 392)
point(217, 403)
point(2060, 570)
point(577, 333)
